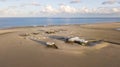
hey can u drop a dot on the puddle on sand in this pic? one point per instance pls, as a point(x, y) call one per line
point(118, 29)
point(93, 43)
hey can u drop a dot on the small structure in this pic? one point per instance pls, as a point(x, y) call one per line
point(35, 33)
point(25, 34)
point(50, 31)
point(77, 40)
point(51, 45)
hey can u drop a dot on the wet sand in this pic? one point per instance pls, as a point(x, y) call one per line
point(30, 50)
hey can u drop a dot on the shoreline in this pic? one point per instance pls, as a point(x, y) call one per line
point(53, 25)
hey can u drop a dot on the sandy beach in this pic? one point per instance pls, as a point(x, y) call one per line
point(25, 46)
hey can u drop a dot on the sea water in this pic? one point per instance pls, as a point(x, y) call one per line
point(37, 21)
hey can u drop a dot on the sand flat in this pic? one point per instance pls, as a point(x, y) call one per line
point(21, 51)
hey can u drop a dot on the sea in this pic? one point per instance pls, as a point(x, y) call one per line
point(38, 21)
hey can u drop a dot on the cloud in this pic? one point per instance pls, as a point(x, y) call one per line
point(48, 10)
point(30, 4)
point(13, 11)
point(62, 10)
point(3, 0)
point(68, 10)
point(110, 2)
point(7, 12)
point(75, 1)
point(35, 4)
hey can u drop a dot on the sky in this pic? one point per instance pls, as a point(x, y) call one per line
point(59, 8)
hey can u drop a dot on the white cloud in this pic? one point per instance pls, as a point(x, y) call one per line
point(7, 12)
point(67, 9)
point(116, 9)
point(110, 2)
point(62, 10)
point(75, 1)
point(30, 4)
point(35, 4)
point(49, 10)
point(13, 11)
point(3, 0)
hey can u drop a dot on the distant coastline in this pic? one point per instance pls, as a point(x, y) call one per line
point(67, 17)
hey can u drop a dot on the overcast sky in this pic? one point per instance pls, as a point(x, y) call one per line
point(59, 8)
